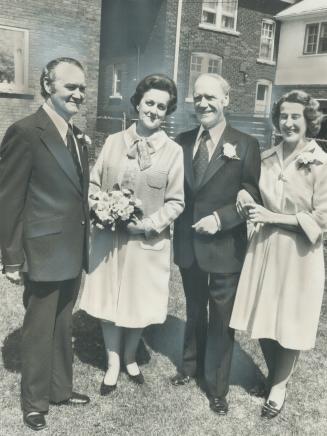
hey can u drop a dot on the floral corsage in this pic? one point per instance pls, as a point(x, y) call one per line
point(117, 207)
point(305, 160)
point(229, 151)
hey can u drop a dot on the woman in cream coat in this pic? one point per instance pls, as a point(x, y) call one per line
point(281, 286)
point(127, 287)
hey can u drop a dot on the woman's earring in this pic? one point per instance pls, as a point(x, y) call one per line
point(137, 108)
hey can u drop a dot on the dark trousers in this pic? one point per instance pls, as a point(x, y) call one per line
point(208, 344)
point(46, 346)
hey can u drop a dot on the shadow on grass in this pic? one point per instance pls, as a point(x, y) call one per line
point(88, 342)
point(165, 339)
point(11, 352)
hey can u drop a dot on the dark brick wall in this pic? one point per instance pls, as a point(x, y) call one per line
point(60, 28)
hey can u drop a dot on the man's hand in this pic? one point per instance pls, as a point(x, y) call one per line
point(15, 277)
point(135, 227)
point(206, 226)
point(243, 199)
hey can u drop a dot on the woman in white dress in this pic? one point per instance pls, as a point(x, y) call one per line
point(281, 285)
point(127, 287)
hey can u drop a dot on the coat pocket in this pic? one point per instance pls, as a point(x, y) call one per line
point(156, 179)
point(47, 226)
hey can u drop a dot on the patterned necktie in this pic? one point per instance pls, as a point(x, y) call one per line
point(201, 158)
point(71, 146)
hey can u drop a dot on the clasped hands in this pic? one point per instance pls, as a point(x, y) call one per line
point(248, 209)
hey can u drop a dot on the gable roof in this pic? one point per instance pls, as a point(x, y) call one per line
point(303, 8)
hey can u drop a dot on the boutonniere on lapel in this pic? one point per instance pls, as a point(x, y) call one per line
point(229, 151)
point(305, 160)
point(84, 139)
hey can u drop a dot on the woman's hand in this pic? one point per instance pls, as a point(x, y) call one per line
point(243, 199)
point(259, 214)
point(135, 227)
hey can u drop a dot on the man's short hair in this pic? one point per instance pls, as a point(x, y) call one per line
point(225, 86)
point(48, 72)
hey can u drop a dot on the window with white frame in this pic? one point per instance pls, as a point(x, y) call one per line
point(220, 14)
point(203, 63)
point(117, 73)
point(315, 41)
point(13, 59)
point(266, 52)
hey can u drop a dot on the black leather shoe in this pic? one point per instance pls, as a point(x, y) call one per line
point(76, 399)
point(219, 405)
point(137, 379)
point(269, 410)
point(106, 389)
point(180, 379)
point(35, 421)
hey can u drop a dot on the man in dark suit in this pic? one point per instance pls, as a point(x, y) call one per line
point(210, 236)
point(44, 234)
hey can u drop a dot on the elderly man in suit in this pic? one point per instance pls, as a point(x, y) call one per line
point(210, 236)
point(44, 234)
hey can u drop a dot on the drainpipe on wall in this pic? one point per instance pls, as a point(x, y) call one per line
point(177, 39)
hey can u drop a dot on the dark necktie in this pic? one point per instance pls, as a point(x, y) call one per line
point(71, 146)
point(201, 158)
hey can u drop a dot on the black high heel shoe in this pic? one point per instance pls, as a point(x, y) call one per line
point(269, 409)
point(106, 389)
point(137, 379)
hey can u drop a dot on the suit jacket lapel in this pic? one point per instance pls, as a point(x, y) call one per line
point(217, 160)
point(53, 141)
point(188, 157)
point(83, 153)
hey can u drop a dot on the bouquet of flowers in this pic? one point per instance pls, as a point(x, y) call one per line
point(117, 207)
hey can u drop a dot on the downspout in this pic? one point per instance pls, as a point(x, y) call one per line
point(177, 39)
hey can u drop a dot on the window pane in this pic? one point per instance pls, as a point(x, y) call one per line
point(12, 58)
point(227, 22)
point(214, 66)
point(229, 7)
point(261, 92)
point(311, 38)
point(323, 38)
point(266, 41)
point(196, 63)
point(208, 17)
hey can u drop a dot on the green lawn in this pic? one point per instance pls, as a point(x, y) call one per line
point(157, 408)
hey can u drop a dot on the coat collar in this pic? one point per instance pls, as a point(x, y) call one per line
point(53, 141)
point(311, 147)
point(156, 140)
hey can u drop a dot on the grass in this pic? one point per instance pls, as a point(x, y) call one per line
point(157, 408)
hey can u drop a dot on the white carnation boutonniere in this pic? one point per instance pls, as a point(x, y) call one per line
point(229, 151)
point(84, 139)
point(305, 160)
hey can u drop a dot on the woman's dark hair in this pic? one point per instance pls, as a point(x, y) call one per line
point(48, 72)
point(311, 111)
point(156, 81)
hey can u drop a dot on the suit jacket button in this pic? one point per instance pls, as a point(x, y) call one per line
point(83, 223)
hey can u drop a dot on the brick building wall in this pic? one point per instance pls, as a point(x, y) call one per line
point(62, 28)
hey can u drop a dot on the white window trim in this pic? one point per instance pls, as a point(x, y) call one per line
point(24, 88)
point(115, 94)
point(208, 56)
point(264, 60)
point(268, 83)
point(216, 27)
point(305, 39)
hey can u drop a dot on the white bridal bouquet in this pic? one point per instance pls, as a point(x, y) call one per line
point(114, 208)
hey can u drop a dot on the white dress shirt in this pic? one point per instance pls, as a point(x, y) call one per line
point(215, 135)
point(60, 124)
